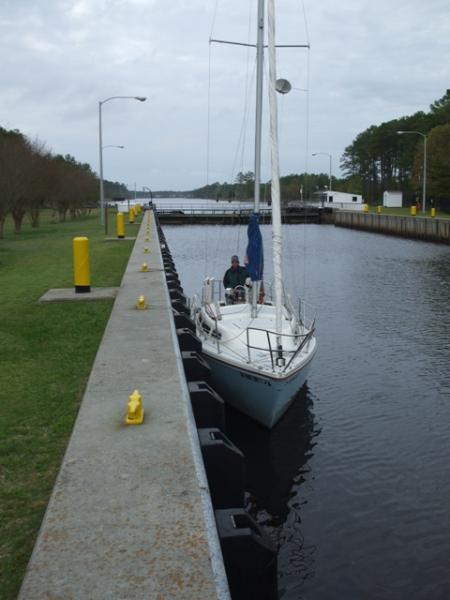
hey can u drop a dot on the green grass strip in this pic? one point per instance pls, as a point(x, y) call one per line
point(46, 355)
point(405, 212)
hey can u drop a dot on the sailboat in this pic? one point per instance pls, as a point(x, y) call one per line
point(259, 347)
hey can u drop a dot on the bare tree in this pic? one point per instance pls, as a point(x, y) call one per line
point(14, 154)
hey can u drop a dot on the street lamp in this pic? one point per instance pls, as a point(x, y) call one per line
point(100, 104)
point(424, 178)
point(329, 156)
point(150, 191)
point(112, 146)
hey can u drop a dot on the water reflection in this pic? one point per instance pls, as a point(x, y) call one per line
point(276, 464)
point(276, 460)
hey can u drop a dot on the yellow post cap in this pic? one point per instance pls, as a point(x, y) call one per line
point(141, 303)
point(144, 267)
point(135, 410)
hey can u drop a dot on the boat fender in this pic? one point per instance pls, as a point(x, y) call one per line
point(249, 555)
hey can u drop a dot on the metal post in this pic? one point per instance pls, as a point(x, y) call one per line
point(259, 87)
point(424, 194)
point(424, 176)
point(102, 198)
point(330, 171)
point(329, 156)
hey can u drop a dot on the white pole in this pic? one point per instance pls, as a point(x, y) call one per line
point(424, 175)
point(277, 239)
point(259, 88)
point(329, 175)
point(330, 171)
point(102, 197)
point(424, 191)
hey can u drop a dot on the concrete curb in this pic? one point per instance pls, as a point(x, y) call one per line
point(130, 515)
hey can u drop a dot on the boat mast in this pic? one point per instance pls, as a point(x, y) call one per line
point(259, 99)
point(258, 128)
point(276, 200)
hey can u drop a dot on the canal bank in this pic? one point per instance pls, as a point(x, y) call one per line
point(130, 515)
point(421, 228)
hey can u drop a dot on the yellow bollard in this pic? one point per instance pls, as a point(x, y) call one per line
point(135, 411)
point(146, 250)
point(144, 267)
point(365, 208)
point(82, 276)
point(433, 212)
point(141, 303)
point(131, 215)
point(379, 209)
point(413, 211)
point(120, 225)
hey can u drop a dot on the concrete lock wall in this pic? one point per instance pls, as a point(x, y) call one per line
point(424, 228)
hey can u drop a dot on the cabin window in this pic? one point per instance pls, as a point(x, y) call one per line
point(354, 198)
point(330, 198)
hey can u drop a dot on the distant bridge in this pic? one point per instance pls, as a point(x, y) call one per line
point(183, 214)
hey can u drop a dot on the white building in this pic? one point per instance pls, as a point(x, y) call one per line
point(393, 199)
point(341, 200)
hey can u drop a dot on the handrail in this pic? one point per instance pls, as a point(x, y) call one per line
point(305, 337)
point(302, 344)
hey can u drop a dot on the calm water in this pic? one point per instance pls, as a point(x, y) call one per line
point(353, 485)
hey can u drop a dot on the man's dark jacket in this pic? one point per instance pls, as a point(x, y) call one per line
point(233, 278)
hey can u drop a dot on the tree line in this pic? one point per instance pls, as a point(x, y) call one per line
point(377, 160)
point(293, 187)
point(380, 159)
point(32, 178)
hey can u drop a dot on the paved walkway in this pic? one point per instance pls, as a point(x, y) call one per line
point(130, 516)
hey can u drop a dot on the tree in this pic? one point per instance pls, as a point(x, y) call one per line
point(40, 180)
point(245, 184)
point(14, 183)
point(438, 163)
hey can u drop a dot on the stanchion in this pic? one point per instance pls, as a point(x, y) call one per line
point(120, 225)
point(82, 277)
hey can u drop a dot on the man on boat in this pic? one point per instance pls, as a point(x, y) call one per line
point(235, 277)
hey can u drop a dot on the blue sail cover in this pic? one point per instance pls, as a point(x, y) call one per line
point(255, 257)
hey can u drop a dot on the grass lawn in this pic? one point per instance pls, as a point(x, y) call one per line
point(46, 354)
point(405, 212)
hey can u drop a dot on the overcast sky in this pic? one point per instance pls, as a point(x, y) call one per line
point(369, 62)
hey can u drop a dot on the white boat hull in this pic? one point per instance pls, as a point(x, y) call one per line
point(263, 398)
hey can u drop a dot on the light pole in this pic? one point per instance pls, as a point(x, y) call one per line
point(424, 177)
point(329, 156)
point(150, 192)
point(100, 104)
point(113, 146)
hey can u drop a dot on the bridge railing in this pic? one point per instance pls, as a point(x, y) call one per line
point(185, 209)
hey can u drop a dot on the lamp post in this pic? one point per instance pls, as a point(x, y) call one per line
point(150, 192)
point(105, 209)
point(424, 177)
point(100, 104)
point(329, 156)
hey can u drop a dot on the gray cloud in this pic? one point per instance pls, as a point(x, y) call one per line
point(369, 62)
